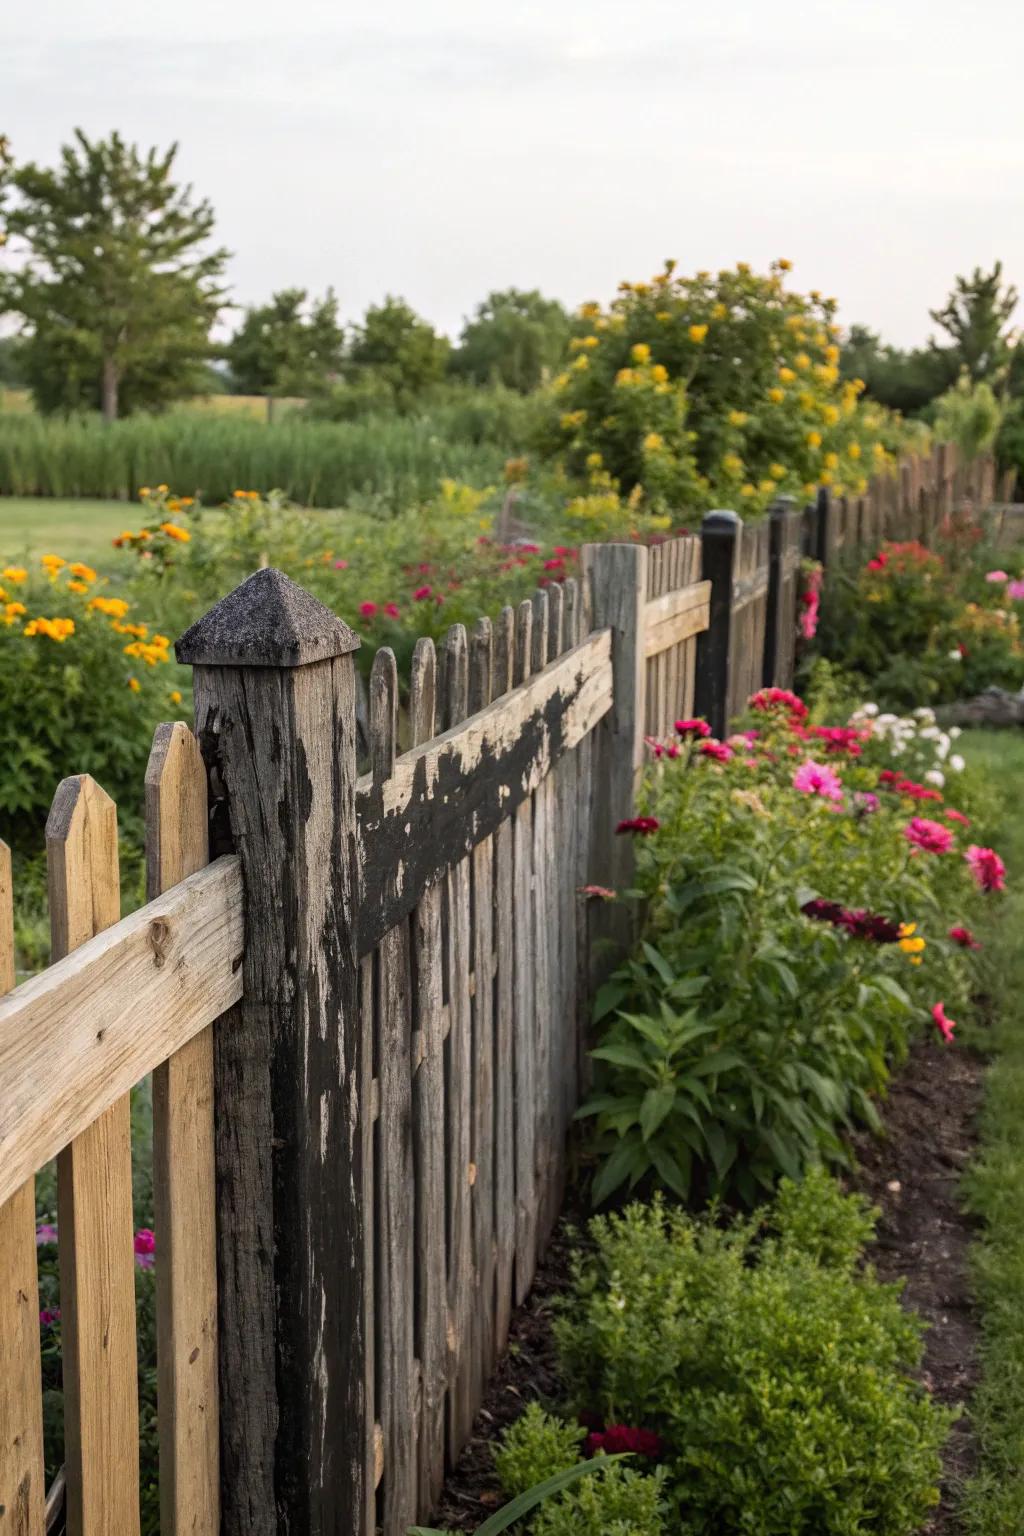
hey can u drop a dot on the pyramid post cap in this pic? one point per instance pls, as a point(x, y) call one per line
point(267, 621)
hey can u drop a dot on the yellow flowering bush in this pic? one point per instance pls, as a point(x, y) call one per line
point(83, 682)
point(717, 389)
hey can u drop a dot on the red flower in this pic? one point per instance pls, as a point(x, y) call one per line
point(943, 1023)
point(367, 610)
point(654, 744)
point(692, 728)
point(719, 750)
point(642, 825)
point(987, 868)
point(618, 1438)
point(932, 836)
point(421, 593)
point(957, 816)
point(964, 937)
point(391, 609)
point(556, 564)
point(779, 698)
point(840, 738)
point(341, 565)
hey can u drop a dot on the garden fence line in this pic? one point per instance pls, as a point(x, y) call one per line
point(364, 1002)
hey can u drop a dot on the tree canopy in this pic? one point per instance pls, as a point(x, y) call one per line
point(400, 348)
point(117, 283)
point(514, 338)
point(290, 346)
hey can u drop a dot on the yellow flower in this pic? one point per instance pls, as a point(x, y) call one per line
point(910, 944)
point(802, 361)
point(143, 492)
point(175, 696)
point(161, 488)
point(52, 563)
point(814, 439)
point(594, 461)
point(560, 383)
point(767, 487)
point(174, 532)
point(653, 441)
point(784, 265)
point(743, 267)
point(828, 374)
point(777, 471)
point(664, 316)
point(659, 373)
point(698, 333)
point(832, 461)
point(78, 586)
point(640, 352)
point(188, 501)
point(590, 310)
point(748, 489)
point(776, 395)
point(720, 312)
point(832, 353)
point(738, 418)
point(14, 611)
point(795, 323)
point(240, 494)
point(53, 629)
point(134, 685)
point(732, 464)
point(573, 419)
point(583, 343)
point(580, 362)
point(15, 573)
point(787, 375)
point(83, 572)
point(829, 415)
point(113, 607)
point(854, 450)
point(625, 376)
point(879, 450)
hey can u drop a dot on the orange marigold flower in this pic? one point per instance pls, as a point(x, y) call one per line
point(15, 573)
point(52, 563)
point(175, 696)
point(78, 586)
point(134, 685)
point(174, 532)
point(112, 607)
point(82, 572)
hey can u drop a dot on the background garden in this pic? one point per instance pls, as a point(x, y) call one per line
point(820, 896)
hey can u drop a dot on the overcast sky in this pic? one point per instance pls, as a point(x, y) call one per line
point(440, 148)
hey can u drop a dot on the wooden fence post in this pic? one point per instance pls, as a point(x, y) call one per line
point(617, 578)
point(781, 615)
point(276, 720)
point(720, 537)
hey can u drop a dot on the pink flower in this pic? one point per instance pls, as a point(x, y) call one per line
point(421, 593)
point(145, 1248)
point(987, 868)
point(932, 836)
point(866, 801)
point(655, 745)
point(994, 576)
point(943, 1023)
point(391, 609)
point(48, 1316)
point(642, 825)
point(341, 565)
point(1015, 590)
point(692, 728)
point(957, 816)
point(964, 937)
point(809, 616)
point(601, 892)
point(776, 698)
point(815, 779)
point(719, 750)
point(45, 1233)
point(555, 564)
point(367, 610)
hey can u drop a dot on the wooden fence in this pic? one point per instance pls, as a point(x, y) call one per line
point(364, 1003)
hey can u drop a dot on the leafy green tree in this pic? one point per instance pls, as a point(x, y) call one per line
point(290, 346)
point(969, 415)
point(514, 338)
point(903, 381)
point(398, 346)
point(118, 285)
point(976, 316)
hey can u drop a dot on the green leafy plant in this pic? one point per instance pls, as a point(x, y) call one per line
point(504, 1518)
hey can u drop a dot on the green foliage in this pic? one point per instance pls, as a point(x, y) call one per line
point(976, 317)
point(534, 1448)
point(741, 1039)
point(970, 416)
point(714, 390)
point(777, 1377)
point(903, 381)
point(401, 349)
point(118, 286)
point(619, 1501)
point(526, 1502)
point(514, 338)
point(290, 346)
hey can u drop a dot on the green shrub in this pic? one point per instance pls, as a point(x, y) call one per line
point(777, 1379)
point(534, 1448)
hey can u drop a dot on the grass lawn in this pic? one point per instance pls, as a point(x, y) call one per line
point(31, 526)
point(995, 1183)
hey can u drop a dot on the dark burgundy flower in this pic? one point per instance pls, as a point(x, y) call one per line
point(964, 937)
point(619, 1438)
point(642, 825)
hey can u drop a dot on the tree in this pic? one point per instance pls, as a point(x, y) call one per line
point(287, 347)
point(117, 286)
point(904, 381)
point(976, 316)
point(515, 338)
point(401, 348)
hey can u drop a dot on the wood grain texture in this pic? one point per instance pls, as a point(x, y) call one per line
point(481, 677)
point(22, 1477)
point(504, 1025)
point(76, 1037)
point(525, 1043)
point(279, 745)
point(429, 1133)
point(397, 1372)
point(94, 1206)
point(448, 794)
point(675, 616)
point(177, 845)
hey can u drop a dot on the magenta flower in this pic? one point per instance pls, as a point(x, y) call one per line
point(866, 801)
point(422, 593)
point(341, 565)
point(813, 778)
point(932, 836)
point(145, 1248)
point(987, 868)
point(964, 937)
point(692, 728)
point(1015, 590)
point(719, 750)
point(45, 1233)
point(367, 610)
point(957, 816)
point(995, 576)
point(620, 1438)
point(943, 1023)
point(48, 1316)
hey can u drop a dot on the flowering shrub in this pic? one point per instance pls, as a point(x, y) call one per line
point(714, 389)
point(797, 914)
point(766, 1370)
point(83, 680)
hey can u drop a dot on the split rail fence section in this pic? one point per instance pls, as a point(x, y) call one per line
point(364, 1004)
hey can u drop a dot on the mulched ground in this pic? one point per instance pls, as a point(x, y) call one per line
point(912, 1173)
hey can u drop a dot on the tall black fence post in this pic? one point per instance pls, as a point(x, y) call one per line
point(719, 536)
point(781, 615)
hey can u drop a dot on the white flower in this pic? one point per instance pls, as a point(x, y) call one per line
point(896, 749)
point(942, 749)
point(924, 713)
point(886, 719)
point(936, 777)
point(868, 709)
point(957, 763)
point(930, 733)
point(954, 656)
point(954, 731)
